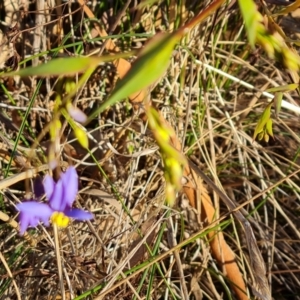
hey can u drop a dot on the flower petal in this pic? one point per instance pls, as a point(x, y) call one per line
point(31, 213)
point(56, 201)
point(70, 186)
point(34, 208)
point(49, 186)
point(79, 214)
point(24, 223)
point(38, 187)
point(77, 114)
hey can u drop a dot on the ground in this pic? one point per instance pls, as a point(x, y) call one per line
point(234, 237)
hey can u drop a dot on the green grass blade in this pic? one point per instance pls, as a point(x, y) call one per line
point(252, 19)
point(149, 66)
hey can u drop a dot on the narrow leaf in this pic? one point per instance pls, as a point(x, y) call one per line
point(277, 103)
point(283, 88)
point(266, 137)
point(262, 121)
point(252, 19)
point(57, 67)
point(65, 66)
point(261, 135)
point(269, 129)
point(150, 65)
point(81, 136)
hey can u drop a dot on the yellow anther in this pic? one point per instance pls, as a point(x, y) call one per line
point(60, 219)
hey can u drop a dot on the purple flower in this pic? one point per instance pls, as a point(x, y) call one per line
point(76, 113)
point(61, 196)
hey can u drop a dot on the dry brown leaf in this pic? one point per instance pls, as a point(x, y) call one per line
point(220, 249)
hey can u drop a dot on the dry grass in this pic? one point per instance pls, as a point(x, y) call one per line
point(136, 247)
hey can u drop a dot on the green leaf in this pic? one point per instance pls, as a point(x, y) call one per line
point(156, 125)
point(57, 67)
point(269, 129)
point(265, 117)
point(266, 137)
point(54, 129)
point(266, 42)
point(70, 85)
point(277, 102)
point(150, 65)
point(252, 19)
point(81, 136)
point(170, 193)
point(65, 66)
point(261, 135)
point(290, 59)
point(283, 88)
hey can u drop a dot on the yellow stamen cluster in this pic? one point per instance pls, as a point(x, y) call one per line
point(60, 219)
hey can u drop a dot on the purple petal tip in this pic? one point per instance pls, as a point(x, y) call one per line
point(77, 114)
